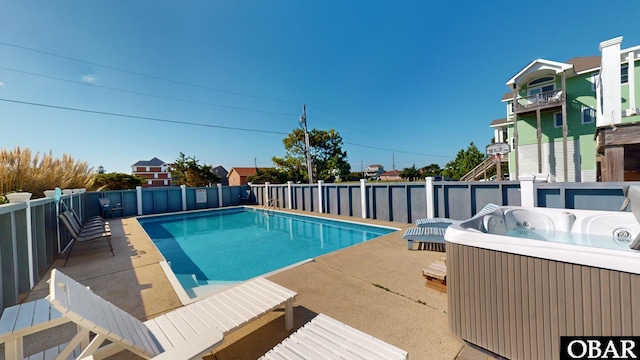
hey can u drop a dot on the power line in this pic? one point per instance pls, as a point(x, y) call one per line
point(142, 117)
point(191, 85)
point(361, 131)
point(189, 101)
point(147, 75)
point(106, 113)
point(399, 151)
point(146, 94)
point(186, 100)
point(358, 120)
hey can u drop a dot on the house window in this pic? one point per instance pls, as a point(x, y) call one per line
point(588, 115)
point(541, 89)
point(624, 74)
point(557, 120)
point(541, 80)
point(538, 86)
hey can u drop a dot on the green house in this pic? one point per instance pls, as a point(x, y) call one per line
point(575, 121)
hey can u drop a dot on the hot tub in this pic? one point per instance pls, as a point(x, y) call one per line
point(519, 278)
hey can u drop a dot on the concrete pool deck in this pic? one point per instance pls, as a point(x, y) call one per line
point(376, 286)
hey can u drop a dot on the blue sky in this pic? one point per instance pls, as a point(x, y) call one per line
point(414, 81)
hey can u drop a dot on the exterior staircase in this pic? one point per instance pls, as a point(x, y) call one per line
point(480, 171)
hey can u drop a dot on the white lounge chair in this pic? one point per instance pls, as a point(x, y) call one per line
point(445, 222)
point(326, 338)
point(188, 332)
point(428, 238)
point(429, 233)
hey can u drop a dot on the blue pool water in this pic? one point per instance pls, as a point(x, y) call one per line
point(232, 245)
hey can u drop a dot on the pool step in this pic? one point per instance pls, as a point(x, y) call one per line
point(188, 280)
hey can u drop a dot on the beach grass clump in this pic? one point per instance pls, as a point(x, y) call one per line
point(21, 170)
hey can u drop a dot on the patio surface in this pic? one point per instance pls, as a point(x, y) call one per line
point(376, 286)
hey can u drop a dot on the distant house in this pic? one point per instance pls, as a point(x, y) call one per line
point(577, 121)
point(390, 175)
point(222, 173)
point(373, 171)
point(238, 175)
point(155, 171)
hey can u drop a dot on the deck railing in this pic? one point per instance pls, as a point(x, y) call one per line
point(31, 238)
point(545, 99)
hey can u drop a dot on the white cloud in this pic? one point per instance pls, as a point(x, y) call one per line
point(1, 84)
point(88, 78)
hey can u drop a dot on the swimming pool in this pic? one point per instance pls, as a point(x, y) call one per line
point(207, 250)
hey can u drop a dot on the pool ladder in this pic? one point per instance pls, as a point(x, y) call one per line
point(271, 205)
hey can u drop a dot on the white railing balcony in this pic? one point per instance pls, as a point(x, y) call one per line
point(542, 100)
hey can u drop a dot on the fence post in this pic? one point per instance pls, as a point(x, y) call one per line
point(527, 193)
point(70, 198)
point(219, 194)
point(58, 192)
point(266, 193)
point(139, 199)
point(183, 188)
point(24, 198)
point(431, 213)
point(289, 194)
point(30, 244)
point(320, 198)
point(79, 212)
point(363, 197)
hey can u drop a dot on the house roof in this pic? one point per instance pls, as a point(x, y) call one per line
point(220, 170)
point(391, 173)
point(153, 162)
point(498, 122)
point(580, 64)
point(585, 63)
point(536, 66)
point(245, 171)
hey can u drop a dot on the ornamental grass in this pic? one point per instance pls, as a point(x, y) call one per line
point(20, 170)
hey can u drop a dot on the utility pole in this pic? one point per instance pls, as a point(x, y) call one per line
point(303, 124)
point(393, 161)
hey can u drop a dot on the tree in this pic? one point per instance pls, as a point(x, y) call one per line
point(268, 175)
point(328, 160)
point(356, 176)
point(116, 181)
point(464, 162)
point(411, 173)
point(187, 171)
point(431, 170)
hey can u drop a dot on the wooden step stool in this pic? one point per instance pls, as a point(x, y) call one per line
point(436, 271)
